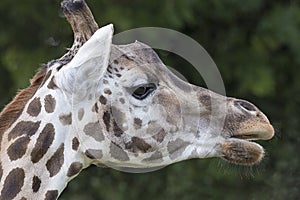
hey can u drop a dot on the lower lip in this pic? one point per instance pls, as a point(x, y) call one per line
point(242, 152)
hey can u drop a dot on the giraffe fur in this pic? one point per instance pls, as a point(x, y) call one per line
point(117, 106)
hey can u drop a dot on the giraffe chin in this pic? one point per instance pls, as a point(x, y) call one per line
point(242, 152)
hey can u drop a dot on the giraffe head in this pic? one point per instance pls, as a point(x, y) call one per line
point(117, 106)
point(132, 111)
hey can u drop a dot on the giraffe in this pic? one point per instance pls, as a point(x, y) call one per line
point(117, 106)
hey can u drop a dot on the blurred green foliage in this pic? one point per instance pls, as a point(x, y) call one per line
point(254, 43)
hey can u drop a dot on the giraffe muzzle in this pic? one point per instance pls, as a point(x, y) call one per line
point(239, 148)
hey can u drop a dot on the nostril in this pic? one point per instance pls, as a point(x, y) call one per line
point(246, 105)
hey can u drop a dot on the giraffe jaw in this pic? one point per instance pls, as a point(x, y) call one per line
point(239, 148)
point(242, 152)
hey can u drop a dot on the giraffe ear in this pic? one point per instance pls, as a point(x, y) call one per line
point(88, 65)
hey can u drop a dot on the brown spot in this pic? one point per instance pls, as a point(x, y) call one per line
point(24, 128)
point(94, 130)
point(116, 62)
point(107, 91)
point(60, 66)
point(51, 84)
point(43, 143)
point(66, 119)
point(50, 103)
point(106, 119)
point(156, 157)
point(23, 198)
point(171, 105)
point(137, 123)
point(94, 153)
point(51, 195)
point(89, 155)
point(118, 75)
point(102, 100)
point(17, 149)
point(36, 184)
point(205, 100)
point(75, 144)
point(176, 148)
point(74, 169)
point(95, 108)
point(55, 163)
point(80, 114)
point(34, 107)
point(109, 69)
point(122, 100)
point(117, 130)
point(105, 81)
point(160, 136)
point(117, 152)
point(13, 184)
point(137, 145)
point(118, 115)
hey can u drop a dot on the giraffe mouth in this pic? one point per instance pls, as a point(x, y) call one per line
point(240, 148)
point(264, 133)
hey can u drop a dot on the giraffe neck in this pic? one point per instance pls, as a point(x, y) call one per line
point(40, 151)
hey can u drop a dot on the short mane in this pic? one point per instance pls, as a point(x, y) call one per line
point(76, 15)
point(13, 110)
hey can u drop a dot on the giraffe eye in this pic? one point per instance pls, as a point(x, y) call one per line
point(142, 91)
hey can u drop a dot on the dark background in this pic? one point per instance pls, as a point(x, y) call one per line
point(256, 47)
